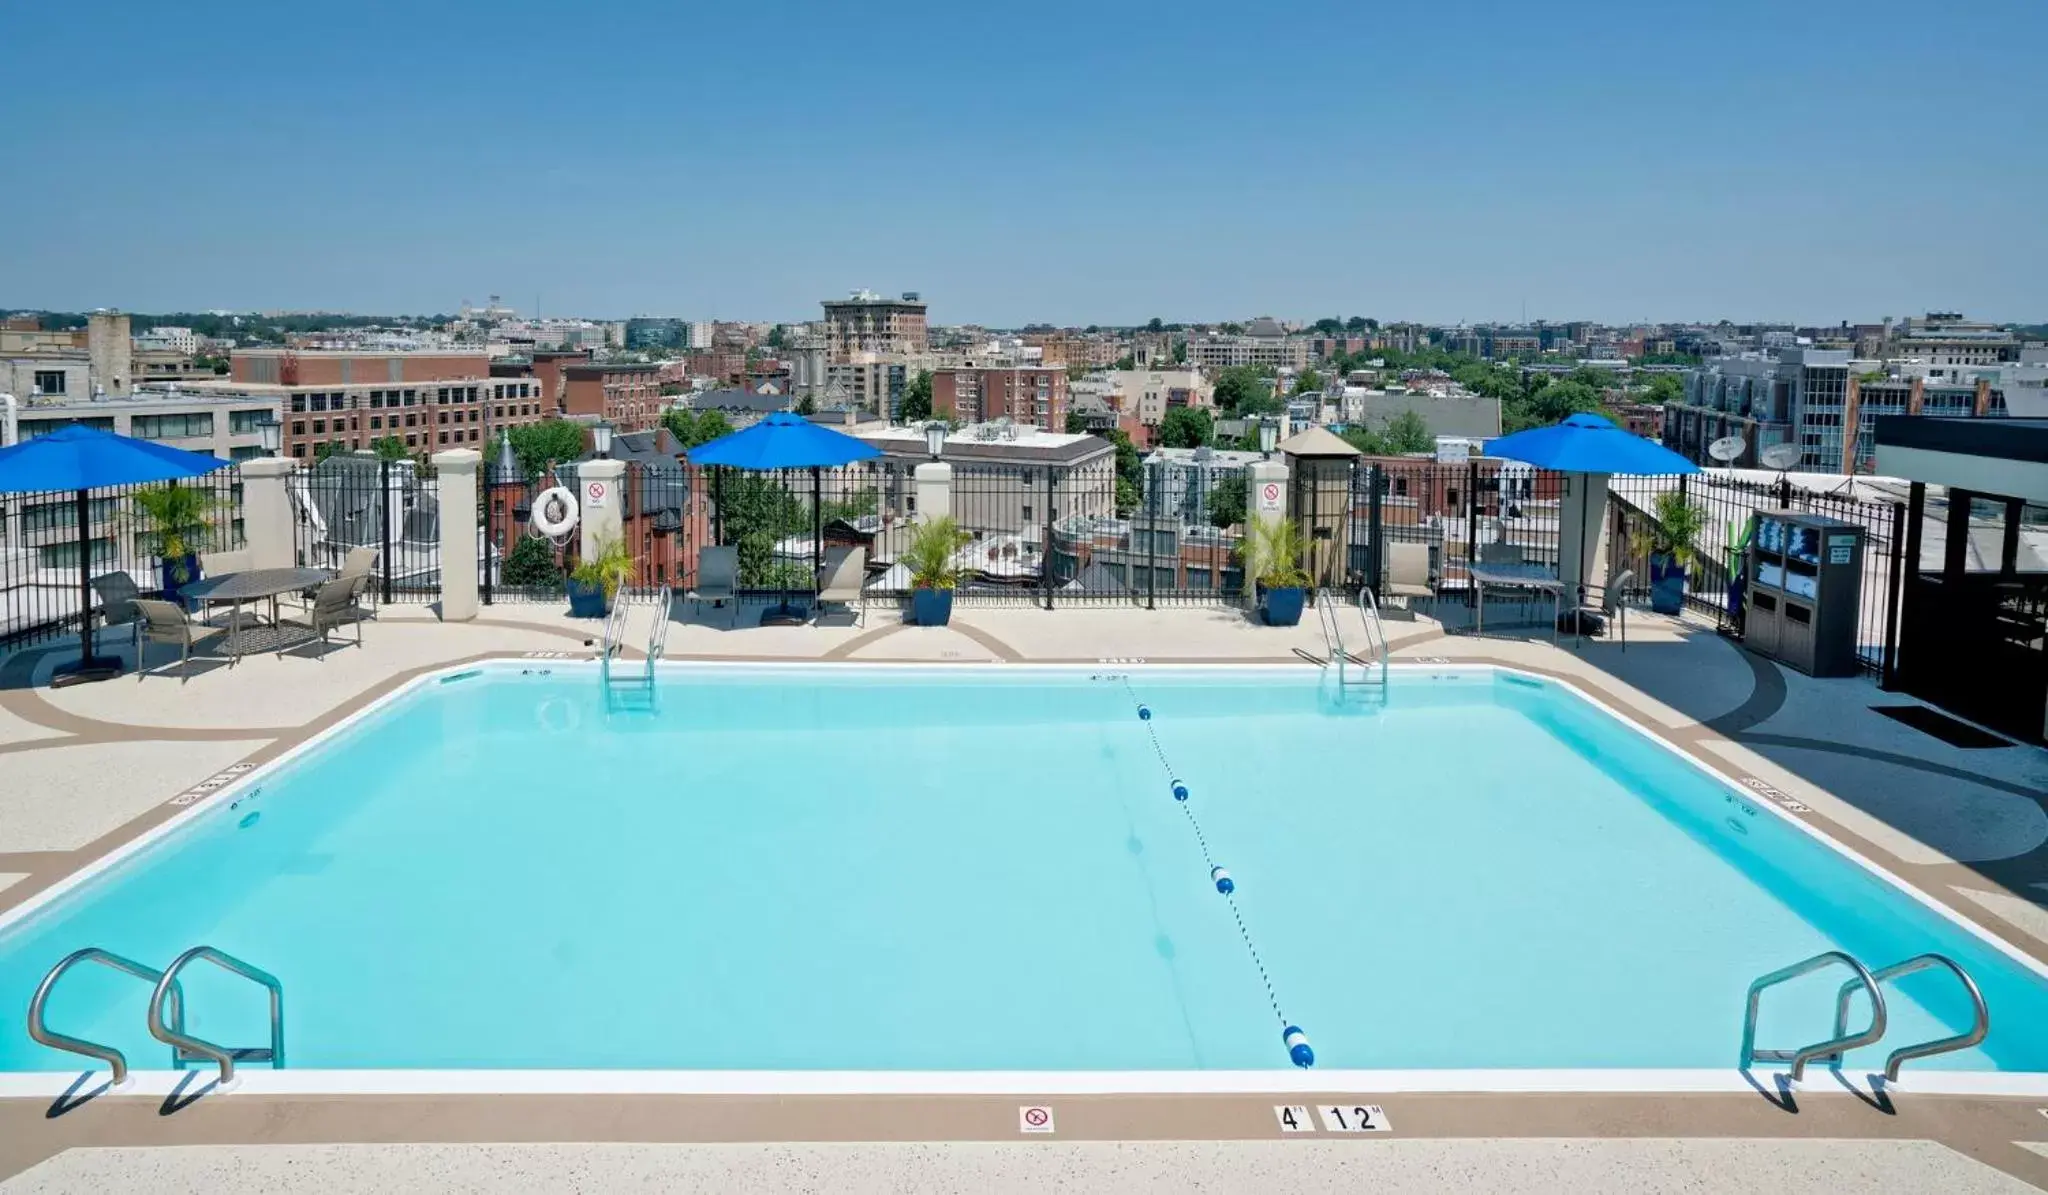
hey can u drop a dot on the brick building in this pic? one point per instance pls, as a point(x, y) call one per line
point(461, 413)
point(1034, 395)
point(867, 322)
point(323, 367)
point(626, 395)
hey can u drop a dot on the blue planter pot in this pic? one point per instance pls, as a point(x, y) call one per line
point(1667, 584)
point(586, 601)
point(167, 578)
point(1282, 607)
point(931, 607)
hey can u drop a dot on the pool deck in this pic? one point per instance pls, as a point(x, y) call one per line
point(90, 768)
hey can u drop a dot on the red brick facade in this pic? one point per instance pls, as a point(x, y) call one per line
point(1030, 394)
point(627, 396)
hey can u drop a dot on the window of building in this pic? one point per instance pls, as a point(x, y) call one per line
point(376, 422)
point(472, 394)
point(1027, 512)
point(298, 427)
point(171, 427)
point(319, 426)
point(411, 420)
point(298, 404)
point(472, 435)
point(376, 399)
point(299, 450)
point(50, 381)
point(319, 402)
point(247, 423)
point(444, 437)
point(411, 441)
point(442, 418)
point(440, 395)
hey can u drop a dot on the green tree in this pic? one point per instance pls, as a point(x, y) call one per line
point(1154, 325)
point(691, 428)
point(1330, 326)
point(1360, 324)
point(806, 405)
point(1366, 440)
point(530, 564)
point(917, 398)
point(1180, 351)
point(777, 336)
point(758, 512)
point(1077, 423)
point(549, 442)
point(1666, 388)
point(1186, 427)
point(1076, 372)
point(1555, 402)
point(1127, 361)
point(1242, 390)
point(1307, 381)
point(1226, 501)
point(390, 448)
point(1130, 472)
point(325, 449)
point(1407, 432)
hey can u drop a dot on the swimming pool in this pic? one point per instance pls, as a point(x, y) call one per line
point(869, 869)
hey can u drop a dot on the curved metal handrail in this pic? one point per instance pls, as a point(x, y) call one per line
point(1376, 630)
point(657, 638)
point(1836, 1046)
point(1333, 638)
point(176, 1037)
point(39, 1029)
point(1980, 1026)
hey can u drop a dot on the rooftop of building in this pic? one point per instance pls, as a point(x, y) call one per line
point(148, 398)
point(998, 439)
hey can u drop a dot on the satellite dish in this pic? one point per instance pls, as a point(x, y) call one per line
point(1781, 456)
point(1726, 449)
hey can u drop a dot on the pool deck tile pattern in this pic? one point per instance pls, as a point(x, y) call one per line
point(90, 768)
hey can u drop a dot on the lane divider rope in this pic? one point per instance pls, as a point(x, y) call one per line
point(1291, 1036)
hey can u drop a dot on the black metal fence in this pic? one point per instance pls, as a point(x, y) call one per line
point(39, 552)
point(1729, 505)
point(350, 501)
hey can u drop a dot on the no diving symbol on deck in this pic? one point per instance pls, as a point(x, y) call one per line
point(1034, 1118)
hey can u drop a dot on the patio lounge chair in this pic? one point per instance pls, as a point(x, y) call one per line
point(117, 593)
point(1408, 573)
point(1614, 607)
point(718, 577)
point(164, 622)
point(334, 603)
point(842, 581)
point(358, 563)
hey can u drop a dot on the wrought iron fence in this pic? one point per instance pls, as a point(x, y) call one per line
point(350, 500)
point(1729, 505)
point(39, 554)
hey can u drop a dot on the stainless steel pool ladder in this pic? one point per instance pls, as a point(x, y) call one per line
point(1837, 1047)
point(1326, 604)
point(39, 1029)
point(168, 993)
point(657, 642)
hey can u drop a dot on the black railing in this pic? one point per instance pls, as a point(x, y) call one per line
point(350, 501)
point(39, 565)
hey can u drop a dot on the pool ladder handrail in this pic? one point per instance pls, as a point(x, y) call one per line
point(1833, 1047)
point(1375, 630)
point(657, 637)
point(198, 1047)
point(40, 1031)
point(1980, 1025)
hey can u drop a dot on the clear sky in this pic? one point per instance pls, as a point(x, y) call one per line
point(1102, 162)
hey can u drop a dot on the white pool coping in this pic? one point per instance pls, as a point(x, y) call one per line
point(797, 1082)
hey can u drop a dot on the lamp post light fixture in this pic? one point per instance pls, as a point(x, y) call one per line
point(601, 438)
point(935, 438)
point(272, 434)
point(1269, 436)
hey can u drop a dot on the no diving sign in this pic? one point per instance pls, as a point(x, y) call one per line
point(1269, 497)
point(594, 495)
point(1034, 1118)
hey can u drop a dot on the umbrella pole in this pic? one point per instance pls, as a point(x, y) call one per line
point(817, 529)
point(89, 666)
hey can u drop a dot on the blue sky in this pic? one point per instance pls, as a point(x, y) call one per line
point(1801, 160)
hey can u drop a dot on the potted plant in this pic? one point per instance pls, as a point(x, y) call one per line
point(595, 581)
point(1273, 549)
point(176, 519)
point(1672, 543)
point(933, 573)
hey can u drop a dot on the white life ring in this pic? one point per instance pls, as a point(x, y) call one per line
point(558, 499)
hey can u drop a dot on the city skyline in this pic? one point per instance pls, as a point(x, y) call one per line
point(1571, 163)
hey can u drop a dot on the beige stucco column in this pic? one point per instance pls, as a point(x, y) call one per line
point(934, 481)
point(600, 496)
point(455, 483)
point(1265, 501)
point(1581, 519)
point(267, 518)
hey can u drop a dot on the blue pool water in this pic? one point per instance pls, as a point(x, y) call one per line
point(979, 869)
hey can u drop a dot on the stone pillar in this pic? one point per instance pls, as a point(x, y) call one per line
point(1581, 524)
point(600, 496)
point(1265, 501)
point(267, 516)
point(934, 481)
point(455, 480)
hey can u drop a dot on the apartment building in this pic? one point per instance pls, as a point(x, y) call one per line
point(867, 322)
point(626, 395)
point(1808, 397)
point(1949, 344)
point(1032, 395)
point(1148, 394)
point(1001, 474)
point(872, 382)
point(1263, 343)
point(222, 426)
point(350, 367)
point(165, 338)
point(462, 413)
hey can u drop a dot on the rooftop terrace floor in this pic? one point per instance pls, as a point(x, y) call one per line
point(91, 767)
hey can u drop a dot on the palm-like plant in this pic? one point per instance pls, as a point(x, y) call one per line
point(1274, 550)
point(176, 518)
point(1677, 530)
point(612, 567)
point(930, 553)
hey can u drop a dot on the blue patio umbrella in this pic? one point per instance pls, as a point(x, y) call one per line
point(1586, 444)
point(81, 459)
point(786, 441)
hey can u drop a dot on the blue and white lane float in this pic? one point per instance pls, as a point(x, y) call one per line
point(1221, 878)
point(1297, 1046)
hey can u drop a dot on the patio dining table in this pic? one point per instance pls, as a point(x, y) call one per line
point(1518, 576)
point(250, 586)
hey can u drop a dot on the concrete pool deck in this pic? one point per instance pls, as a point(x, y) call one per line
point(92, 767)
